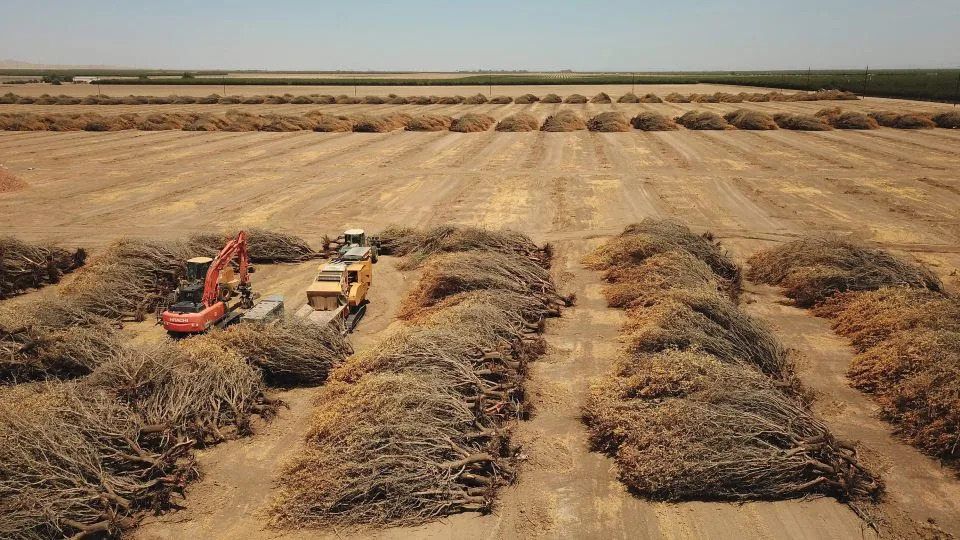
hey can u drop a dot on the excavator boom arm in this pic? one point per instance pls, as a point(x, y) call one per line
point(235, 248)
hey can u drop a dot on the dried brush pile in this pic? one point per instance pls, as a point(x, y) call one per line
point(611, 121)
point(674, 97)
point(451, 100)
point(52, 339)
point(753, 120)
point(564, 120)
point(266, 246)
point(476, 99)
point(551, 98)
point(724, 97)
point(629, 97)
point(331, 123)
point(801, 122)
point(650, 98)
point(418, 245)
point(602, 97)
point(651, 121)
point(847, 120)
point(526, 99)
point(575, 98)
point(947, 119)
point(703, 98)
point(704, 404)
point(813, 269)
point(429, 122)
point(500, 100)
point(903, 121)
point(418, 427)
point(473, 123)
point(518, 122)
point(26, 266)
point(291, 353)
point(702, 120)
point(365, 123)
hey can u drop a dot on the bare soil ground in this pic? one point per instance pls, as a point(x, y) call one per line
point(895, 188)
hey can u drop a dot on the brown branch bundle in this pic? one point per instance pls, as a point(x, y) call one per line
point(475, 99)
point(420, 244)
point(812, 269)
point(651, 121)
point(702, 120)
point(564, 120)
point(24, 266)
point(330, 123)
point(903, 121)
point(703, 98)
point(77, 462)
point(654, 236)
point(429, 122)
point(675, 97)
point(290, 353)
point(526, 99)
point(365, 123)
point(575, 98)
point(500, 100)
point(947, 119)
point(753, 120)
point(473, 123)
point(518, 122)
point(610, 121)
point(629, 97)
point(685, 425)
point(602, 97)
point(650, 98)
point(643, 284)
point(801, 122)
point(551, 98)
point(266, 246)
point(847, 120)
point(908, 345)
point(52, 339)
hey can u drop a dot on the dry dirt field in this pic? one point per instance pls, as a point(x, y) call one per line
point(893, 188)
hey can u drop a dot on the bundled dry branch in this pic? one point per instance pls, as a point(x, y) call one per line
point(753, 120)
point(655, 236)
point(908, 344)
point(629, 97)
point(364, 123)
point(650, 98)
point(903, 121)
point(451, 100)
point(703, 98)
point(847, 120)
point(476, 99)
point(518, 122)
point(266, 246)
point(77, 463)
point(429, 122)
point(52, 339)
point(611, 121)
point(724, 97)
point(373, 100)
point(602, 97)
point(420, 245)
point(651, 121)
point(473, 123)
point(645, 283)
point(24, 266)
point(702, 120)
point(575, 98)
point(526, 99)
point(812, 269)
point(674, 97)
point(551, 98)
point(334, 123)
point(564, 120)
point(684, 425)
point(947, 119)
point(500, 100)
point(291, 353)
point(800, 122)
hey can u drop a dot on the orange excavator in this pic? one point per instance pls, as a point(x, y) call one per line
point(201, 299)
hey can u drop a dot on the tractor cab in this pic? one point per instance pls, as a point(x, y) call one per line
point(356, 238)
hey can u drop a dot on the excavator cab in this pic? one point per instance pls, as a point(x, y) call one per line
point(190, 293)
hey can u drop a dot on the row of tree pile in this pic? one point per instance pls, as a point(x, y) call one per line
point(90, 457)
point(25, 266)
point(901, 322)
point(704, 404)
point(417, 426)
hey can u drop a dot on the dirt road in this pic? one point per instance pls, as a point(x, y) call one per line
point(894, 188)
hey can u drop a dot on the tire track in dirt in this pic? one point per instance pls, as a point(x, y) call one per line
point(870, 153)
point(909, 138)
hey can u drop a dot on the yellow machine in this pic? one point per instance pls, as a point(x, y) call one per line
point(339, 293)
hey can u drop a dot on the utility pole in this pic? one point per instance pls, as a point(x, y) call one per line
point(866, 75)
point(490, 86)
point(808, 78)
point(956, 93)
point(223, 81)
point(98, 88)
point(633, 85)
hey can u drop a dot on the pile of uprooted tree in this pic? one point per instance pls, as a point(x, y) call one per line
point(704, 403)
point(107, 431)
point(418, 426)
point(24, 266)
point(901, 322)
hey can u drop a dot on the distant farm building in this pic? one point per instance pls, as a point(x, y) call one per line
point(87, 80)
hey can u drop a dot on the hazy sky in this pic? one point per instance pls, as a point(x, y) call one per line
point(489, 34)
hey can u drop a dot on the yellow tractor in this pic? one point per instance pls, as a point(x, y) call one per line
point(338, 295)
